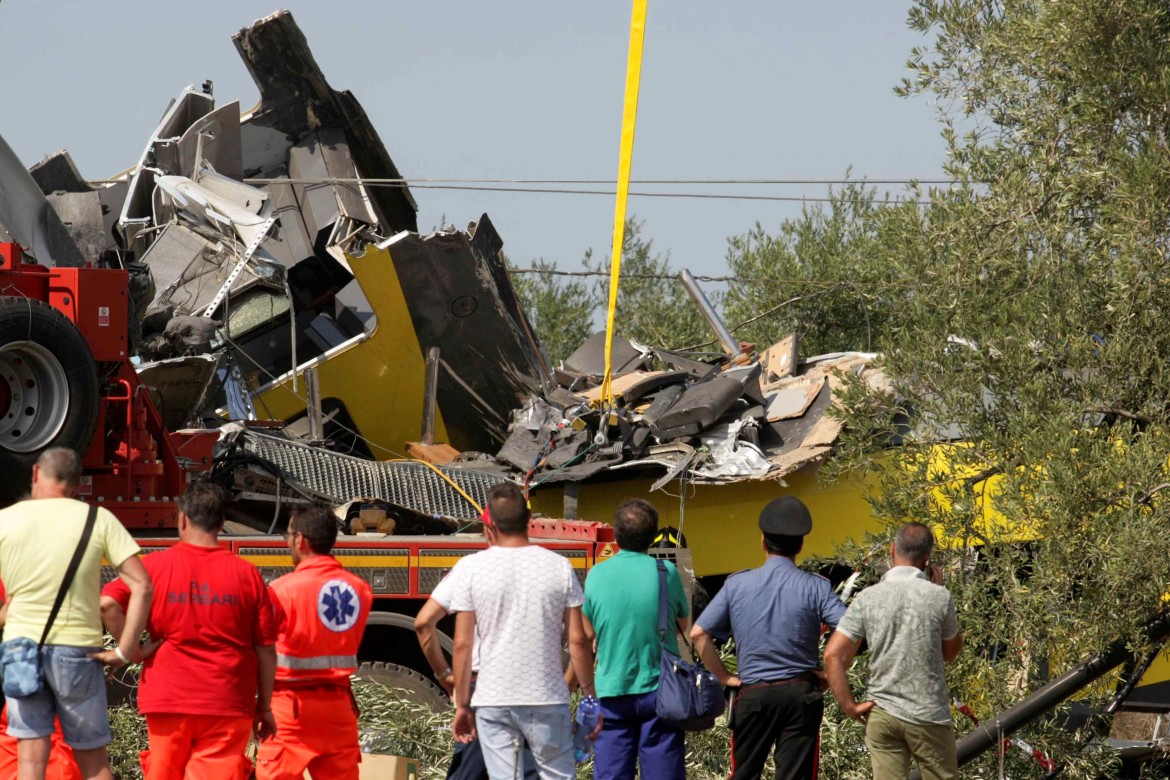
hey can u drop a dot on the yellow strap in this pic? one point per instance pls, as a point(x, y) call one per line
point(629, 119)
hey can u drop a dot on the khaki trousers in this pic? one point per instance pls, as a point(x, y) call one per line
point(892, 742)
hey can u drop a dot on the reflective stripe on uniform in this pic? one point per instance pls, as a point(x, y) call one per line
point(317, 662)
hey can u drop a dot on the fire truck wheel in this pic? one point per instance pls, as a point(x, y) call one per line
point(420, 688)
point(48, 382)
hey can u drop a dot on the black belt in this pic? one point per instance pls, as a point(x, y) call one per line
point(808, 677)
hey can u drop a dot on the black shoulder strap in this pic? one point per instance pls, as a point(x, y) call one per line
point(663, 611)
point(90, 520)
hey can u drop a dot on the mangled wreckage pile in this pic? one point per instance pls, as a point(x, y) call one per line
point(279, 280)
point(740, 416)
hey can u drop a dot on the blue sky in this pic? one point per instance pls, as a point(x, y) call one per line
point(512, 89)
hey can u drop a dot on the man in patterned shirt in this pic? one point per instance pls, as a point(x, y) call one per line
point(908, 619)
point(516, 600)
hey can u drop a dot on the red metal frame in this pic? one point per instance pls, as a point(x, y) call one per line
point(133, 465)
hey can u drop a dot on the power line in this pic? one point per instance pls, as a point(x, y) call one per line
point(510, 185)
point(419, 181)
point(414, 184)
point(771, 280)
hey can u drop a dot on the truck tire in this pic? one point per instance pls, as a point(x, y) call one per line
point(48, 382)
point(421, 689)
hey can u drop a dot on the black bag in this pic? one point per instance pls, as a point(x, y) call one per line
point(690, 698)
point(20, 659)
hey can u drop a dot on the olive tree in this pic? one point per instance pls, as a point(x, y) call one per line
point(1031, 397)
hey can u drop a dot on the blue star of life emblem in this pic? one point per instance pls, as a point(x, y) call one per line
point(337, 605)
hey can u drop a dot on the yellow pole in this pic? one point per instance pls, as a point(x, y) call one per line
point(629, 119)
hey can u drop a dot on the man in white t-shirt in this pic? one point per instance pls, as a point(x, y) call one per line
point(515, 602)
point(467, 762)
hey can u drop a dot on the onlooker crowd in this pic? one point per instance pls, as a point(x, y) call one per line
point(228, 659)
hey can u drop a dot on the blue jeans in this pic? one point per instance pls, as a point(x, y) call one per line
point(631, 732)
point(467, 763)
point(74, 690)
point(547, 729)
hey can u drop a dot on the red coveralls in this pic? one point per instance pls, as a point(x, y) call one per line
point(321, 611)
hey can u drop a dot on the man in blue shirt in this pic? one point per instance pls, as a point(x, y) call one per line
point(775, 613)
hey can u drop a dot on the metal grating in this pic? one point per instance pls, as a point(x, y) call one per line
point(341, 478)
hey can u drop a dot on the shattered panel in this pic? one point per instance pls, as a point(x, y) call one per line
point(293, 244)
point(325, 155)
point(213, 140)
point(58, 173)
point(25, 214)
point(295, 99)
point(81, 214)
point(137, 210)
point(489, 363)
point(589, 358)
point(196, 267)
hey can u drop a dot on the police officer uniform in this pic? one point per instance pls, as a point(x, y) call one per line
point(776, 614)
point(321, 611)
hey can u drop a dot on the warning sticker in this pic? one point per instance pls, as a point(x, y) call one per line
point(606, 550)
point(103, 316)
point(85, 487)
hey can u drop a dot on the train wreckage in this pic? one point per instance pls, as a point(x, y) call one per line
point(278, 279)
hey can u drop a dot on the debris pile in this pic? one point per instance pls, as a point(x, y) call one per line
point(738, 417)
point(239, 231)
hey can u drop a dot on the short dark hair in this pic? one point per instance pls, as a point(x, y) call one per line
point(61, 464)
point(202, 502)
point(914, 543)
point(782, 544)
point(317, 524)
point(508, 509)
point(635, 524)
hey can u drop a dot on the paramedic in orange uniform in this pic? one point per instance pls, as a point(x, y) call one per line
point(61, 763)
point(321, 611)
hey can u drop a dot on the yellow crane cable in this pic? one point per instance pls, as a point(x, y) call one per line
point(625, 160)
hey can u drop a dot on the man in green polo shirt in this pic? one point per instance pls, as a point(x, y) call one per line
point(621, 615)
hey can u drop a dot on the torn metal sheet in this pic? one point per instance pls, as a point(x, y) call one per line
point(295, 99)
point(325, 155)
point(81, 215)
point(27, 216)
point(461, 301)
point(293, 243)
point(248, 220)
point(180, 387)
point(589, 358)
point(58, 173)
point(745, 433)
point(136, 213)
point(197, 267)
point(212, 141)
point(730, 457)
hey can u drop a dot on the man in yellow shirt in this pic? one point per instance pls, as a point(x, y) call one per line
point(38, 537)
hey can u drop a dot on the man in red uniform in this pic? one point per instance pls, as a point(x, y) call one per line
point(209, 683)
point(321, 611)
